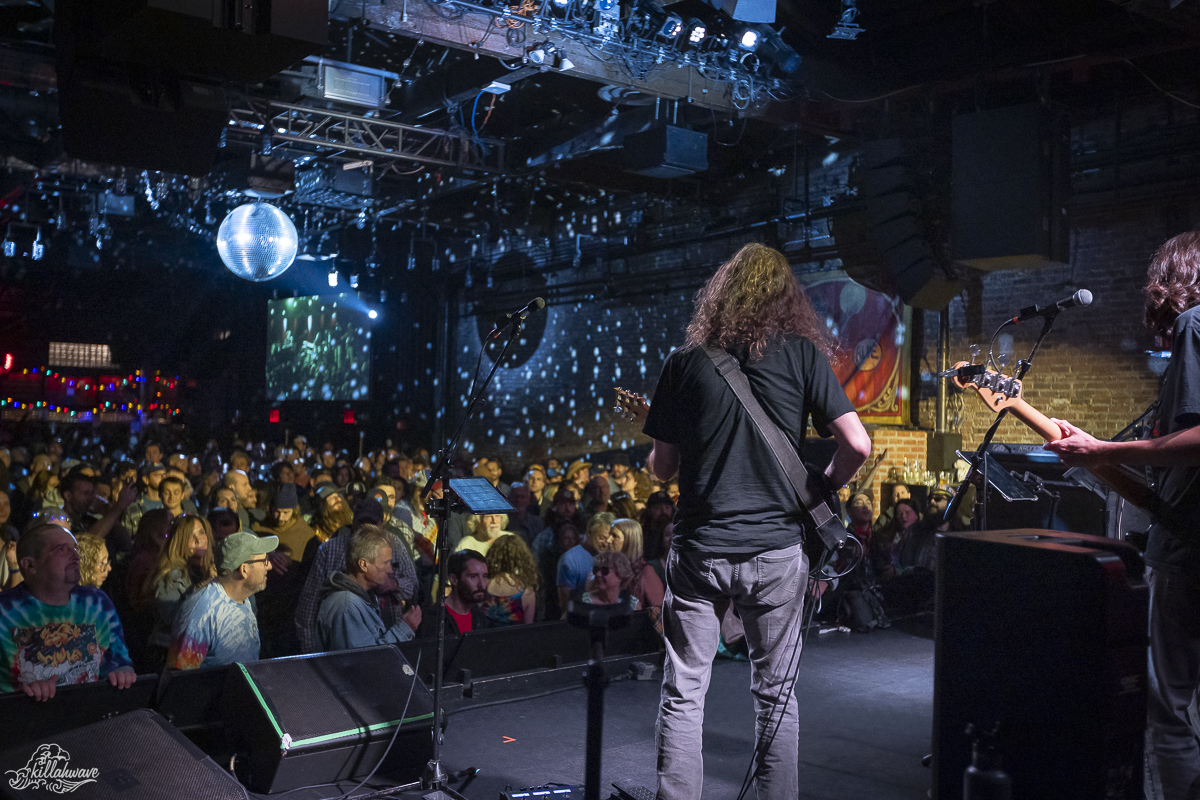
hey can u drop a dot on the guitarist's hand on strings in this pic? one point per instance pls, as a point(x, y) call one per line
point(1076, 447)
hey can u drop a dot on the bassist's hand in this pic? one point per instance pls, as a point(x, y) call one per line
point(1076, 447)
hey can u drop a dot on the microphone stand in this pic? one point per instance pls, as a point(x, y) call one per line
point(980, 466)
point(435, 777)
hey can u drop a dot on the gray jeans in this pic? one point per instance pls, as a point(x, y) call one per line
point(768, 592)
point(1172, 754)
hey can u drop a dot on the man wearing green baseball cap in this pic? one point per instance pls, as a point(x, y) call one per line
point(216, 626)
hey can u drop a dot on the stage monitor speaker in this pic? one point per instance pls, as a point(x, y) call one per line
point(306, 720)
point(133, 756)
point(1010, 186)
point(1044, 633)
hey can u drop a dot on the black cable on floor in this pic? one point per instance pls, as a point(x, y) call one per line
point(763, 744)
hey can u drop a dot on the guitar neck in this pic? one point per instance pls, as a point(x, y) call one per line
point(1141, 496)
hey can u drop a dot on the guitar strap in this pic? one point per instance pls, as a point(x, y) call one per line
point(829, 525)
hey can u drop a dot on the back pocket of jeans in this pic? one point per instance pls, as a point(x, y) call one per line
point(779, 577)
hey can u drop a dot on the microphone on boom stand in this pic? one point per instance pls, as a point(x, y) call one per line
point(1081, 298)
point(517, 317)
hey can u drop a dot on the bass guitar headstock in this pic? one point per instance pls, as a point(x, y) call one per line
point(998, 391)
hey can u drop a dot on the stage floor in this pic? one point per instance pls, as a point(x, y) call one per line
point(866, 706)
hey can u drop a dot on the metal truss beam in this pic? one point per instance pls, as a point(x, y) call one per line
point(350, 137)
point(489, 31)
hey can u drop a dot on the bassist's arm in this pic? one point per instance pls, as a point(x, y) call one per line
point(1078, 448)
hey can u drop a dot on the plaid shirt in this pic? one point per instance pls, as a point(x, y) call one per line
point(331, 558)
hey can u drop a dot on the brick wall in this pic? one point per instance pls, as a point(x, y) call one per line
point(902, 444)
point(1093, 369)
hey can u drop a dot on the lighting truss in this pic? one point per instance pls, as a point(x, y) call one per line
point(637, 46)
point(351, 137)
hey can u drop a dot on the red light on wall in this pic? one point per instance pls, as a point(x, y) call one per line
point(273, 416)
point(348, 416)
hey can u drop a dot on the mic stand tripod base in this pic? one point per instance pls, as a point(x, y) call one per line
point(435, 779)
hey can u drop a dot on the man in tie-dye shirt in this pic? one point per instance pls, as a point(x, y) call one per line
point(215, 625)
point(54, 631)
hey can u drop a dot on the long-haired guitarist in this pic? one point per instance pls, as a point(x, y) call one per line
point(1173, 552)
point(738, 523)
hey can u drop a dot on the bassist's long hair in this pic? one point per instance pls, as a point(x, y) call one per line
point(1173, 284)
point(752, 299)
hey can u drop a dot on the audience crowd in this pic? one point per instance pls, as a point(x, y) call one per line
point(895, 574)
point(116, 565)
point(175, 559)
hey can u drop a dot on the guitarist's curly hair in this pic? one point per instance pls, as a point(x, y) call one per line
point(752, 299)
point(1174, 281)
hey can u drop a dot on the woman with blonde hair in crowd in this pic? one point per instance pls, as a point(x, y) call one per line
point(485, 530)
point(93, 560)
point(512, 582)
point(645, 584)
point(186, 561)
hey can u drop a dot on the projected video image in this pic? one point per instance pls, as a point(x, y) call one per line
point(318, 348)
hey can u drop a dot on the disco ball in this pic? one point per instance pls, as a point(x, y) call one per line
point(257, 242)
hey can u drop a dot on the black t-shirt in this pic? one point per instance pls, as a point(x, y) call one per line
point(733, 494)
point(1178, 409)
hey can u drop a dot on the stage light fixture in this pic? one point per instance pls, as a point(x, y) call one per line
point(257, 241)
point(773, 50)
point(846, 27)
point(566, 64)
point(333, 276)
point(39, 249)
point(696, 31)
point(322, 248)
point(372, 314)
point(10, 247)
point(749, 39)
point(671, 27)
point(353, 281)
point(537, 55)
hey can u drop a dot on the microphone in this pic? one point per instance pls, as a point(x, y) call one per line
point(1081, 298)
point(517, 317)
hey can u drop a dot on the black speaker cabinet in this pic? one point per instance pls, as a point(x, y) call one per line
point(119, 115)
point(327, 717)
point(1044, 633)
point(133, 756)
point(1011, 182)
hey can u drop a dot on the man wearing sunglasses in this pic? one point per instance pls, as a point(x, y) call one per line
point(216, 625)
